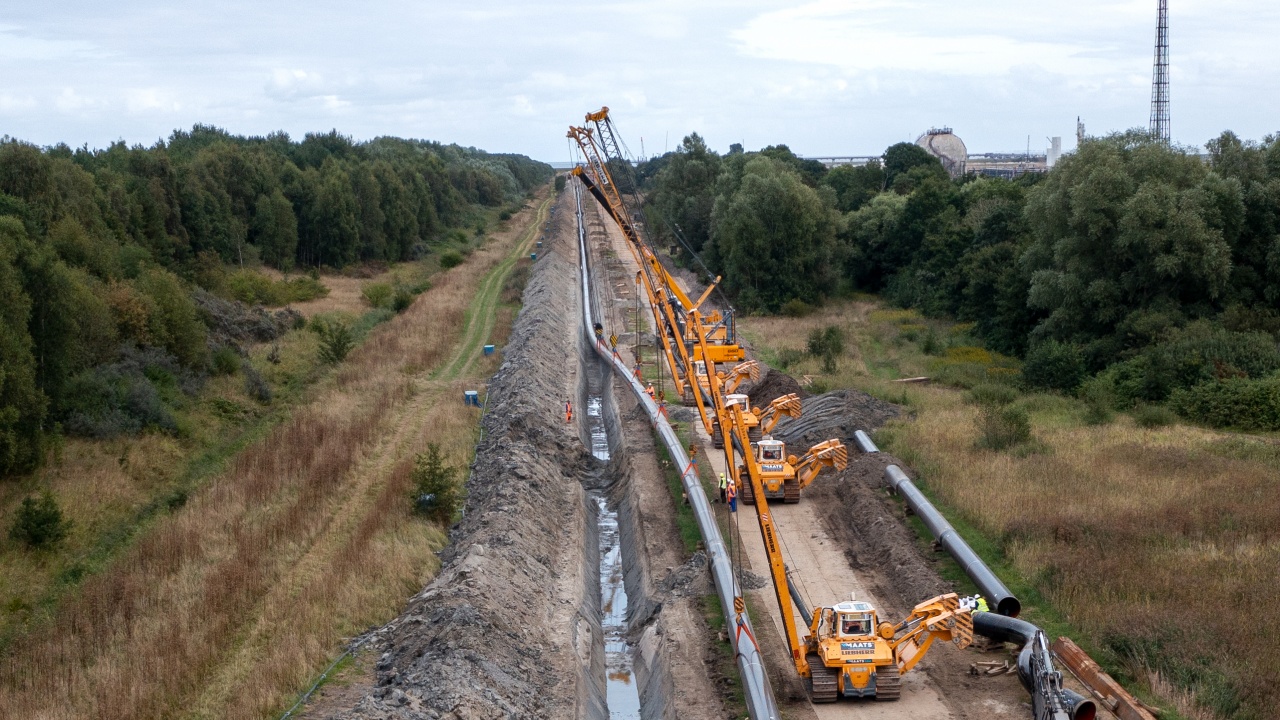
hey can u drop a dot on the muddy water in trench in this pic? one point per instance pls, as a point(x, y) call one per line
point(622, 695)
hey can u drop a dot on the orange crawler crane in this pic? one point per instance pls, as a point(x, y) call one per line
point(848, 651)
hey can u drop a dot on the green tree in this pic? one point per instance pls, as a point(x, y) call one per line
point(1130, 240)
point(855, 186)
point(174, 323)
point(275, 229)
point(39, 522)
point(22, 405)
point(774, 238)
point(684, 192)
point(435, 489)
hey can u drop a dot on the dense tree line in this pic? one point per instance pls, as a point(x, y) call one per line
point(1135, 264)
point(100, 250)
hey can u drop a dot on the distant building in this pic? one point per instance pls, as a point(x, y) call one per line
point(947, 147)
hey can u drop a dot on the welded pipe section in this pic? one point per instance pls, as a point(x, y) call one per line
point(992, 589)
point(757, 691)
point(799, 602)
point(864, 442)
point(1049, 700)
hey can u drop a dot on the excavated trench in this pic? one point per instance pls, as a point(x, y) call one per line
point(636, 682)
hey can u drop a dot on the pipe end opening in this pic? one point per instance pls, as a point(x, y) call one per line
point(1009, 607)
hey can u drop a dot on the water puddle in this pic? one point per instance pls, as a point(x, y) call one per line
point(599, 436)
point(622, 695)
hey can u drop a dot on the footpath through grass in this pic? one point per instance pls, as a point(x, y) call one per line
point(1152, 543)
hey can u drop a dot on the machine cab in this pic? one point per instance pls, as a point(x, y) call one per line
point(854, 619)
point(700, 369)
point(771, 452)
point(737, 399)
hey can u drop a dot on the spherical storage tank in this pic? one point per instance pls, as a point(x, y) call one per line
point(947, 147)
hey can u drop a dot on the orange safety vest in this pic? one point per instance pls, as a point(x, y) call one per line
point(732, 491)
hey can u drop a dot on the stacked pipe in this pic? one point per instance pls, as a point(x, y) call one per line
point(758, 692)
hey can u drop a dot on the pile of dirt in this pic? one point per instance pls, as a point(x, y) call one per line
point(500, 631)
point(836, 414)
point(879, 544)
point(774, 384)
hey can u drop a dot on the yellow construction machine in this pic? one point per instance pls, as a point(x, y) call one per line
point(783, 476)
point(848, 651)
point(759, 422)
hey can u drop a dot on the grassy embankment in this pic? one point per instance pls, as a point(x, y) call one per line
point(1157, 546)
point(222, 567)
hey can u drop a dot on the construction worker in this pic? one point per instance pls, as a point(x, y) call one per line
point(732, 493)
point(652, 395)
point(568, 411)
point(982, 605)
point(724, 484)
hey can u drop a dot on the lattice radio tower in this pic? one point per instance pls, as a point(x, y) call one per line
point(1160, 78)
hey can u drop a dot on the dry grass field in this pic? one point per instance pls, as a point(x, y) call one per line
point(226, 606)
point(1160, 546)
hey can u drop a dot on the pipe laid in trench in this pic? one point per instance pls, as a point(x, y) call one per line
point(992, 589)
point(757, 691)
point(1049, 700)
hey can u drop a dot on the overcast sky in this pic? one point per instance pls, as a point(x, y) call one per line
point(831, 77)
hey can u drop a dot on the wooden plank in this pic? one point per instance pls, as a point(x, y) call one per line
point(1102, 685)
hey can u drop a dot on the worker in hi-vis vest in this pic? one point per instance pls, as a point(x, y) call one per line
point(732, 492)
point(724, 484)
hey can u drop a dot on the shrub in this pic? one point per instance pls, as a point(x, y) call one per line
point(1054, 366)
point(377, 294)
point(992, 394)
point(504, 216)
point(435, 493)
point(124, 398)
point(336, 340)
point(787, 357)
point(560, 183)
point(513, 288)
point(1153, 416)
point(1234, 402)
point(225, 360)
point(932, 344)
point(254, 385)
point(1098, 395)
point(1001, 428)
point(450, 259)
point(796, 308)
point(826, 343)
point(402, 300)
point(39, 522)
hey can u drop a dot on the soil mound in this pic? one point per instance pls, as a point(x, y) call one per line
point(873, 529)
point(837, 414)
point(773, 385)
point(496, 633)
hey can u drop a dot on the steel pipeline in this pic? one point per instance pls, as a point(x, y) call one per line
point(1049, 700)
point(758, 693)
point(992, 589)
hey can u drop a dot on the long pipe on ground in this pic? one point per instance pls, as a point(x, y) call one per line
point(992, 589)
point(1049, 700)
point(757, 691)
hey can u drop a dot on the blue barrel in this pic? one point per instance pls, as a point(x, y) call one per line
point(533, 256)
point(539, 244)
point(488, 349)
point(471, 397)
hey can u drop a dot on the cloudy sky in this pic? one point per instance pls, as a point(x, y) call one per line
point(829, 77)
